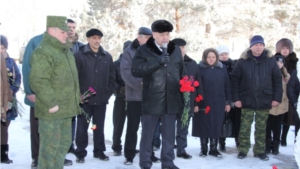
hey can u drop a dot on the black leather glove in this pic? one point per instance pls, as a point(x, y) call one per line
point(163, 59)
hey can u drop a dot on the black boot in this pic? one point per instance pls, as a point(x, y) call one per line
point(213, 148)
point(204, 147)
point(4, 154)
point(275, 148)
point(285, 130)
point(268, 145)
point(237, 143)
point(222, 144)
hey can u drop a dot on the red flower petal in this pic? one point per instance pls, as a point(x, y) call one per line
point(196, 83)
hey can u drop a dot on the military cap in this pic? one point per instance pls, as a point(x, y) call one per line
point(93, 32)
point(179, 41)
point(144, 31)
point(161, 26)
point(58, 22)
point(126, 44)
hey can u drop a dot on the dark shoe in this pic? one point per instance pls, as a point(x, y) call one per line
point(154, 159)
point(34, 164)
point(71, 150)
point(215, 153)
point(68, 162)
point(275, 147)
point(102, 157)
point(262, 156)
point(128, 162)
point(155, 148)
point(137, 151)
point(184, 156)
point(80, 160)
point(241, 155)
point(268, 145)
point(117, 153)
point(4, 154)
point(222, 147)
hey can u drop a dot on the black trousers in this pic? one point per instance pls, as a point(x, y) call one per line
point(97, 113)
point(156, 138)
point(34, 135)
point(273, 128)
point(134, 111)
point(119, 116)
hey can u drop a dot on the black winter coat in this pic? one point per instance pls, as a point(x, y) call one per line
point(293, 88)
point(192, 69)
point(161, 89)
point(216, 87)
point(95, 70)
point(256, 83)
point(120, 84)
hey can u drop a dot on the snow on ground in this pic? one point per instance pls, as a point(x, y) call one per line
point(20, 151)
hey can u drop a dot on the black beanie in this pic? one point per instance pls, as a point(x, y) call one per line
point(3, 41)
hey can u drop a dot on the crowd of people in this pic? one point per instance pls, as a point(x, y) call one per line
point(68, 85)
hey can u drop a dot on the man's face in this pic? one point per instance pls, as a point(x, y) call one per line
point(59, 34)
point(257, 49)
point(224, 56)
point(2, 50)
point(183, 52)
point(285, 51)
point(143, 39)
point(94, 42)
point(72, 27)
point(161, 38)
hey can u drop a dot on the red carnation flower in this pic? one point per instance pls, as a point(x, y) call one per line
point(207, 109)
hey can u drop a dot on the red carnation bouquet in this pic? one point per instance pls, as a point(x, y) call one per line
point(188, 85)
point(83, 99)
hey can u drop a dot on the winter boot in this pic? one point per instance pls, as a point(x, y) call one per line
point(275, 148)
point(213, 148)
point(268, 145)
point(204, 147)
point(237, 143)
point(285, 130)
point(222, 144)
point(4, 154)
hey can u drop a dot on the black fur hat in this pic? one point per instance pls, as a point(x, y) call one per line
point(284, 42)
point(179, 41)
point(93, 32)
point(161, 26)
point(3, 41)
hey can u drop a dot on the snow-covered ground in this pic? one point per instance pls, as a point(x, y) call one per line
point(19, 142)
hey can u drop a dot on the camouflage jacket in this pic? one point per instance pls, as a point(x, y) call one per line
point(54, 79)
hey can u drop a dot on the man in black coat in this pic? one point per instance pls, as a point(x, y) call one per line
point(161, 69)
point(256, 87)
point(192, 69)
point(95, 69)
point(119, 111)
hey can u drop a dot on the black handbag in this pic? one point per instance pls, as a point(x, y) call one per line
point(226, 127)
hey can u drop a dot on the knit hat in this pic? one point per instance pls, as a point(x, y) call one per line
point(58, 22)
point(223, 49)
point(3, 41)
point(126, 44)
point(284, 42)
point(280, 58)
point(257, 39)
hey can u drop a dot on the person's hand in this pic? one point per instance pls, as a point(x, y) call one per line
point(31, 97)
point(296, 104)
point(163, 59)
point(196, 109)
point(238, 104)
point(53, 109)
point(275, 103)
point(227, 108)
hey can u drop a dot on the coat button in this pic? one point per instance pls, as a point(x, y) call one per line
point(168, 74)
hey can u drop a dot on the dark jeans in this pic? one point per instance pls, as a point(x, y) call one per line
point(34, 135)
point(156, 138)
point(274, 126)
point(134, 111)
point(98, 114)
point(119, 116)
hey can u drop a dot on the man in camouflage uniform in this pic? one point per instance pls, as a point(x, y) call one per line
point(256, 87)
point(52, 67)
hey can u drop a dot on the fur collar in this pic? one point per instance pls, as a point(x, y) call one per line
point(245, 55)
point(291, 57)
point(205, 65)
point(151, 44)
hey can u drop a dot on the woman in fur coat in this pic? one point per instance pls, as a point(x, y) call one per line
point(275, 118)
point(285, 47)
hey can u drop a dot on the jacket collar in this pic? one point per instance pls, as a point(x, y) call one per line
point(87, 49)
point(247, 54)
point(151, 44)
point(55, 42)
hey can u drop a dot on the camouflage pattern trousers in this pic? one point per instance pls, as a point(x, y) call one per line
point(55, 141)
point(260, 117)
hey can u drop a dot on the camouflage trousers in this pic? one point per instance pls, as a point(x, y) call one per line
point(55, 141)
point(260, 117)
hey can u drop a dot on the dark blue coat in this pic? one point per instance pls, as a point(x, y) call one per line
point(216, 87)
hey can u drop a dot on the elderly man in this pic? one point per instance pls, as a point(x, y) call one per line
point(256, 88)
point(160, 70)
point(52, 67)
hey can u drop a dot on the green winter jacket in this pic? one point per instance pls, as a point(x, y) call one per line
point(54, 79)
